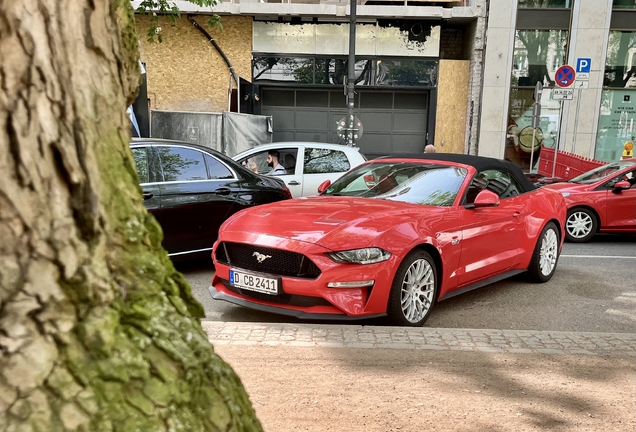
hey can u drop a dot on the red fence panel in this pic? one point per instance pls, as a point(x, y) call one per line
point(568, 165)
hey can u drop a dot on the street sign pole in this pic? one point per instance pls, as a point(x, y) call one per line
point(576, 119)
point(563, 78)
point(556, 145)
point(536, 113)
point(583, 69)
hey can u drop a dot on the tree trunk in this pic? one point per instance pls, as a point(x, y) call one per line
point(98, 332)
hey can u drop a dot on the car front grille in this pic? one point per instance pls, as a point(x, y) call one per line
point(278, 262)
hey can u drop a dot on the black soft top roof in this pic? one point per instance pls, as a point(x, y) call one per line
point(480, 163)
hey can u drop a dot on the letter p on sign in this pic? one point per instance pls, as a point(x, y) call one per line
point(583, 65)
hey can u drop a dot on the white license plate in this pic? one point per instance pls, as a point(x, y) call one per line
point(252, 282)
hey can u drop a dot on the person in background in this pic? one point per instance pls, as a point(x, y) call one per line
point(273, 157)
point(430, 149)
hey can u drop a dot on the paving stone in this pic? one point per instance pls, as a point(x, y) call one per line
point(333, 336)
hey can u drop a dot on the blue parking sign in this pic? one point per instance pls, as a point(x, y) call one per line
point(583, 65)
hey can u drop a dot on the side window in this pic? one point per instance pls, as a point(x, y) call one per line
point(260, 159)
point(287, 158)
point(478, 184)
point(629, 176)
point(181, 164)
point(140, 155)
point(216, 169)
point(501, 183)
point(320, 161)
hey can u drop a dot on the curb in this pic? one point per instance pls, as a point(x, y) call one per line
point(422, 338)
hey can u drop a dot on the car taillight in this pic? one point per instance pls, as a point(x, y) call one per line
point(287, 192)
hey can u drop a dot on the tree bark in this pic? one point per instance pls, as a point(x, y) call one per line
point(98, 331)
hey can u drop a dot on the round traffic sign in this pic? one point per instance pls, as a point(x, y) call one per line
point(564, 76)
point(343, 128)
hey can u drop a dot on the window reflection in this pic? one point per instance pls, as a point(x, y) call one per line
point(424, 184)
point(325, 71)
point(140, 156)
point(407, 73)
point(320, 161)
point(537, 56)
point(181, 164)
point(620, 66)
point(617, 124)
point(540, 4)
point(522, 142)
point(624, 4)
point(289, 69)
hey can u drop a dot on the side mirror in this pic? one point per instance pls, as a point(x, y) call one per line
point(621, 185)
point(486, 198)
point(324, 186)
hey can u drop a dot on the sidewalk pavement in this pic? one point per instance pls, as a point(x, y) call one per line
point(352, 378)
point(423, 338)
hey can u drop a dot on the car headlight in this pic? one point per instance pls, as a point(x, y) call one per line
point(565, 194)
point(360, 256)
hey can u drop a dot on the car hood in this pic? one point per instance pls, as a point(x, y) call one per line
point(331, 222)
point(568, 187)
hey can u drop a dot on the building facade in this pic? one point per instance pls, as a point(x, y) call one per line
point(418, 68)
point(459, 74)
point(527, 42)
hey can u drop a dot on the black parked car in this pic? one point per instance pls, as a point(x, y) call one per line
point(191, 190)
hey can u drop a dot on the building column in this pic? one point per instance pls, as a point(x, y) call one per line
point(588, 39)
point(502, 17)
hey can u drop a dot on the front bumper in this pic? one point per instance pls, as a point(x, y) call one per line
point(310, 298)
point(283, 311)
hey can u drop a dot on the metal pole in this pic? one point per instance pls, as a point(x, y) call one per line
point(534, 134)
point(229, 94)
point(556, 146)
point(538, 91)
point(576, 119)
point(351, 76)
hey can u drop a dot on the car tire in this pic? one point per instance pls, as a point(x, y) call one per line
point(581, 225)
point(546, 255)
point(414, 290)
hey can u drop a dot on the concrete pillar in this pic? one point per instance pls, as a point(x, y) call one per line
point(588, 39)
point(502, 16)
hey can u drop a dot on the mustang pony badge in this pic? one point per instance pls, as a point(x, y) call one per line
point(260, 257)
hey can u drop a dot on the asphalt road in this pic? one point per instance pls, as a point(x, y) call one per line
point(593, 290)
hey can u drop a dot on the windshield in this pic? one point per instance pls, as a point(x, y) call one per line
point(602, 172)
point(426, 184)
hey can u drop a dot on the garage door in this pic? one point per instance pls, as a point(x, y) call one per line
point(393, 121)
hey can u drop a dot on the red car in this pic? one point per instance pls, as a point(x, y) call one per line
point(391, 237)
point(602, 200)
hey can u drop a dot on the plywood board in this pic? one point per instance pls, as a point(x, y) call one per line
point(185, 72)
point(452, 106)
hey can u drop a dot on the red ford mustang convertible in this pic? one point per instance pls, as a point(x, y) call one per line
point(390, 237)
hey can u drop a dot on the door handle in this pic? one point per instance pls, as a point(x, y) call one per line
point(148, 195)
point(516, 214)
point(293, 183)
point(222, 191)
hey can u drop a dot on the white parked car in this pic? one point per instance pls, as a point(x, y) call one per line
point(317, 162)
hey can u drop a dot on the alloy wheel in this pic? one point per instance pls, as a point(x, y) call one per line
point(418, 288)
point(549, 252)
point(579, 224)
